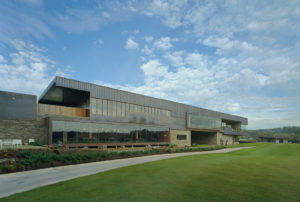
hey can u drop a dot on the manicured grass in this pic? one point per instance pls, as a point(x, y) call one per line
point(268, 172)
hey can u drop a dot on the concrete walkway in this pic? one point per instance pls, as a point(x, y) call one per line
point(23, 181)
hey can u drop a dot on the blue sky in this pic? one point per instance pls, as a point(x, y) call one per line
point(239, 57)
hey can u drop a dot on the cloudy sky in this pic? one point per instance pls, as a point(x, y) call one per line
point(239, 57)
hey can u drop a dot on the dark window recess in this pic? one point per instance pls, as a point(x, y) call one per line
point(181, 137)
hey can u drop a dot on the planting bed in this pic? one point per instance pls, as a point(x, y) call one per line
point(20, 160)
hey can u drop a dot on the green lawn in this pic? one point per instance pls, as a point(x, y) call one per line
point(267, 172)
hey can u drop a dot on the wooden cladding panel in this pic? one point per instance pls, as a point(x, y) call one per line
point(44, 109)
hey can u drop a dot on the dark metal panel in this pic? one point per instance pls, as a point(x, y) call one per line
point(17, 106)
point(229, 131)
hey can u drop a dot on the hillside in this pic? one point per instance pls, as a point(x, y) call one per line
point(292, 133)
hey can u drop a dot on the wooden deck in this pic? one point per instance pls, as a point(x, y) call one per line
point(116, 145)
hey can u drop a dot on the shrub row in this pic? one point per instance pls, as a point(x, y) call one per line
point(194, 149)
point(28, 160)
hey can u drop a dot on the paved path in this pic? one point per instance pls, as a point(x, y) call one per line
point(23, 181)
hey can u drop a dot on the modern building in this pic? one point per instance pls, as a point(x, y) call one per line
point(275, 140)
point(79, 114)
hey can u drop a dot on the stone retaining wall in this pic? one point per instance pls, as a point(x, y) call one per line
point(25, 130)
point(225, 139)
point(180, 143)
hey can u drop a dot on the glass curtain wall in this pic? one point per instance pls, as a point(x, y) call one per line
point(203, 122)
point(84, 132)
point(235, 126)
point(119, 109)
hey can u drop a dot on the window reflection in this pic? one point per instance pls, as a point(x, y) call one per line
point(99, 107)
point(104, 103)
point(114, 108)
point(106, 133)
point(203, 122)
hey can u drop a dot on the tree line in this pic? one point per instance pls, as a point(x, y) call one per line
point(292, 133)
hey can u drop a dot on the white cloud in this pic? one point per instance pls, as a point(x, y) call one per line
point(105, 14)
point(136, 31)
point(226, 45)
point(234, 107)
point(100, 42)
point(131, 44)
point(154, 69)
point(163, 43)
point(28, 70)
point(175, 58)
point(196, 60)
point(148, 39)
point(169, 11)
point(148, 51)
point(2, 59)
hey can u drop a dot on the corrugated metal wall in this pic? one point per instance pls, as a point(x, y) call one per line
point(17, 106)
point(177, 110)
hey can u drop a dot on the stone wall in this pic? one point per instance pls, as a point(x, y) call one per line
point(180, 143)
point(225, 139)
point(25, 129)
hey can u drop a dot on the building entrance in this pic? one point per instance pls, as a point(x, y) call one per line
point(199, 137)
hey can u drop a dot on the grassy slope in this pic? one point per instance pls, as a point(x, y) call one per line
point(268, 172)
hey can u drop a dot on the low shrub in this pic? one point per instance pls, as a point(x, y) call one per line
point(125, 153)
point(24, 154)
point(36, 144)
point(113, 153)
point(147, 152)
point(137, 153)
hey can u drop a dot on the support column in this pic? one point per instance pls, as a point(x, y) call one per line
point(90, 137)
point(136, 135)
point(50, 134)
point(65, 138)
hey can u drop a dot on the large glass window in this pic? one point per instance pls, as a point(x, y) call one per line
point(104, 105)
point(168, 113)
point(119, 109)
point(114, 108)
point(244, 127)
point(94, 105)
point(57, 138)
point(139, 109)
point(123, 109)
point(181, 137)
point(135, 108)
point(146, 110)
point(85, 132)
point(127, 108)
point(131, 108)
point(99, 107)
point(109, 108)
point(203, 122)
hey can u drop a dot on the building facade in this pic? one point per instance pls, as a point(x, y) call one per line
point(79, 114)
